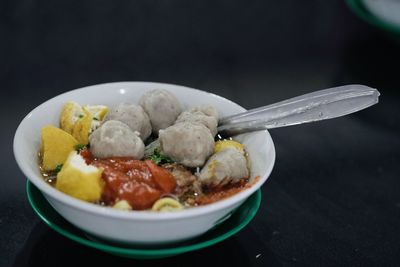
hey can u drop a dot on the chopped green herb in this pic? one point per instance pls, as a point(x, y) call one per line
point(96, 119)
point(80, 147)
point(58, 168)
point(80, 116)
point(159, 158)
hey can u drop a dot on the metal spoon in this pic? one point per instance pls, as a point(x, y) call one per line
point(316, 106)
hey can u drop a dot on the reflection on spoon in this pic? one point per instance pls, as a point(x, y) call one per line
point(316, 106)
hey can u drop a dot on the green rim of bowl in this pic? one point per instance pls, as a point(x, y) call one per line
point(239, 219)
point(359, 8)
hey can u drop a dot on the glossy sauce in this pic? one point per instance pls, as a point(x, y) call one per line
point(141, 183)
point(217, 194)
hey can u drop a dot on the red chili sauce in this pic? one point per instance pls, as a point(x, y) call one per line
point(217, 194)
point(141, 183)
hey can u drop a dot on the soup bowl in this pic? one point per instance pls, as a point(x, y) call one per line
point(137, 227)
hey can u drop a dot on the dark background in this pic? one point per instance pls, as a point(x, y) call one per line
point(334, 195)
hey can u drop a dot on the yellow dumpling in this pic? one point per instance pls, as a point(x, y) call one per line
point(70, 113)
point(223, 144)
point(98, 111)
point(80, 180)
point(81, 121)
point(82, 127)
point(56, 146)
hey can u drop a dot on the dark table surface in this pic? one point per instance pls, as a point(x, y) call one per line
point(333, 197)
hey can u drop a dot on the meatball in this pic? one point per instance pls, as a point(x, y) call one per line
point(226, 166)
point(207, 110)
point(199, 117)
point(133, 116)
point(116, 139)
point(162, 107)
point(187, 143)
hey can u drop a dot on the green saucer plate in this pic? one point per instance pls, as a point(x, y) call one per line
point(239, 219)
point(359, 8)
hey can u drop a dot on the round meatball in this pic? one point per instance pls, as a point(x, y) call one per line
point(206, 109)
point(199, 117)
point(162, 107)
point(226, 166)
point(116, 139)
point(133, 116)
point(187, 143)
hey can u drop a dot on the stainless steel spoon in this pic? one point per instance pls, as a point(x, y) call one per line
point(316, 106)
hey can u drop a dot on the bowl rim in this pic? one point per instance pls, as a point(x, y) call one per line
point(70, 201)
point(174, 249)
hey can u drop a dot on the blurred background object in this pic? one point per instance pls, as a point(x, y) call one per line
point(384, 14)
point(333, 197)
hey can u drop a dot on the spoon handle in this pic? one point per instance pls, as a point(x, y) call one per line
point(316, 106)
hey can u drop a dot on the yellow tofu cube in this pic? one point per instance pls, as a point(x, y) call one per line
point(80, 180)
point(70, 114)
point(83, 127)
point(56, 146)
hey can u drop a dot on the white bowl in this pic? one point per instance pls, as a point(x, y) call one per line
point(136, 227)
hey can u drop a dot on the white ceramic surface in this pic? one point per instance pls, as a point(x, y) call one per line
point(136, 227)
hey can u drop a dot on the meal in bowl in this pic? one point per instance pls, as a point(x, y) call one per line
point(149, 155)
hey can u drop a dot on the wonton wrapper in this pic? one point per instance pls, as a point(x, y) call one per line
point(229, 165)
